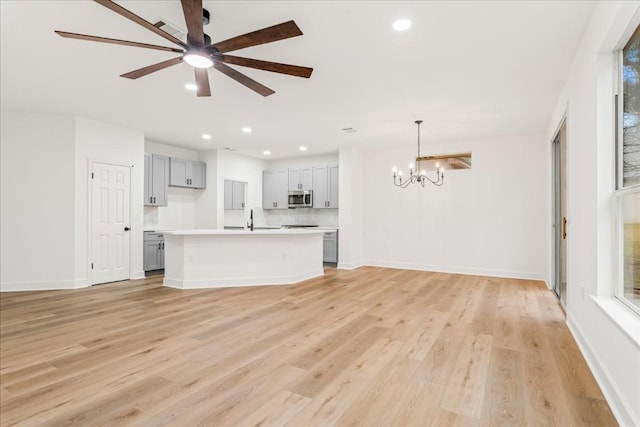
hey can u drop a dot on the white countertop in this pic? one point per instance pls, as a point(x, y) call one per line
point(277, 231)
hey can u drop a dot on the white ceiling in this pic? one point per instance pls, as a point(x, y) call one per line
point(469, 69)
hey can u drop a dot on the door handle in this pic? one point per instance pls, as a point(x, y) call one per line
point(159, 245)
point(564, 227)
point(127, 229)
point(163, 246)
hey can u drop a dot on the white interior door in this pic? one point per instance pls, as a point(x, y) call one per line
point(110, 216)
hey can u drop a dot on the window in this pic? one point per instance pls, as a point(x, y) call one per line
point(628, 174)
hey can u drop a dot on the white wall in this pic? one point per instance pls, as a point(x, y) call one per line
point(300, 162)
point(209, 213)
point(46, 161)
point(352, 211)
point(36, 201)
point(181, 202)
point(606, 336)
point(106, 143)
point(488, 220)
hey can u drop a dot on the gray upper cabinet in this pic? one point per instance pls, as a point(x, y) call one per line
point(275, 185)
point(325, 187)
point(156, 179)
point(238, 195)
point(233, 195)
point(188, 173)
point(198, 177)
point(301, 179)
point(228, 194)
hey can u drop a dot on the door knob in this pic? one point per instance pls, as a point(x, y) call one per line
point(127, 229)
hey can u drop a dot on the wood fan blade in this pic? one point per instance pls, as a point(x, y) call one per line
point(192, 10)
point(242, 79)
point(202, 80)
point(115, 41)
point(135, 74)
point(266, 35)
point(275, 67)
point(138, 20)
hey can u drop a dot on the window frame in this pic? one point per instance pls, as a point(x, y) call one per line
point(619, 190)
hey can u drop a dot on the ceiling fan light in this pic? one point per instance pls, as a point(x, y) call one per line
point(198, 60)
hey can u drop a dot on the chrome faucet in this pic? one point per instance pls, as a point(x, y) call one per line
point(250, 224)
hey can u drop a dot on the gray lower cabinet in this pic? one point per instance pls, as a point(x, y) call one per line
point(330, 247)
point(187, 173)
point(153, 258)
point(156, 179)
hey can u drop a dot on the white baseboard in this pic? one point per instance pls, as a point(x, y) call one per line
point(48, 285)
point(137, 275)
point(452, 269)
point(621, 409)
point(81, 283)
point(349, 265)
point(245, 281)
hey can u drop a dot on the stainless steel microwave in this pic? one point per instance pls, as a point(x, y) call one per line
point(301, 199)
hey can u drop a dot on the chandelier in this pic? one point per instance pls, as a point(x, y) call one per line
point(420, 175)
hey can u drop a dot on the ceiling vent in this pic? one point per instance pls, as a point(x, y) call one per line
point(170, 29)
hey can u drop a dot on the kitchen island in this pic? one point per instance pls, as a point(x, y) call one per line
point(223, 258)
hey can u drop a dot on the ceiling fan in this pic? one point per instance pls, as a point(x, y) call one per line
point(199, 53)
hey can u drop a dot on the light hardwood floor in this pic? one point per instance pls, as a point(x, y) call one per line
point(373, 347)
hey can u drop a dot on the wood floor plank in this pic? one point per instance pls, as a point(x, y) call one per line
point(370, 346)
point(277, 411)
point(504, 395)
point(465, 392)
point(377, 405)
point(419, 344)
point(332, 401)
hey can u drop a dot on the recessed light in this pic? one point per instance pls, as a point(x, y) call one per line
point(266, 152)
point(206, 136)
point(191, 86)
point(303, 148)
point(246, 129)
point(401, 24)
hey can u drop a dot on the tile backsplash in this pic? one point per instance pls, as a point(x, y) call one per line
point(278, 217)
point(301, 216)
